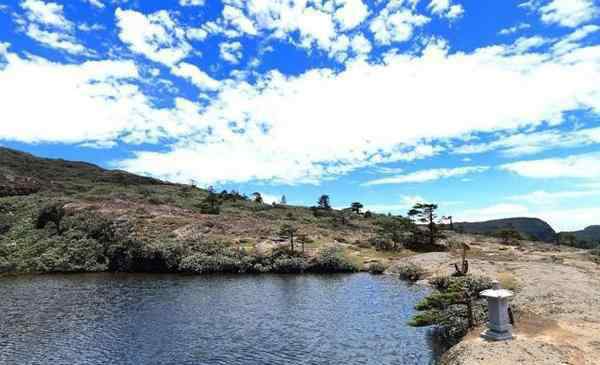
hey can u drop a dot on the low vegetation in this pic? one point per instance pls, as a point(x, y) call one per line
point(454, 307)
point(410, 272)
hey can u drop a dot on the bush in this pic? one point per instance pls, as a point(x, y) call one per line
point(4, 228)
point(289, 265)
point(54, 212)
point(207, 209)
point(333, 259)
point(410, 272)
point(377, 268)
point(448, 306)
point(205, 264)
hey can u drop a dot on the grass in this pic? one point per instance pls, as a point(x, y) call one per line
point(508, 281)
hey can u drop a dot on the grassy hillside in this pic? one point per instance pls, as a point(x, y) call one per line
point(122, 222)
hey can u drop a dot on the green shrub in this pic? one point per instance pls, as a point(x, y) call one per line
point(288, 265)
point(377, 268)
point(53, 212)
point(448, 306)
point(207, 209)
point(204, 264)
point(410, 272)
point(333, 259)
point(4, 228)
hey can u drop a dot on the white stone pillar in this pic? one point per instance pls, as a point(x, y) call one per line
point(499, 327)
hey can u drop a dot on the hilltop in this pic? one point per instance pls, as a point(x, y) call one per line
point(529, 228)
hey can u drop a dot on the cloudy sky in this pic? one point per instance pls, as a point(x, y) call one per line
point(489, 108)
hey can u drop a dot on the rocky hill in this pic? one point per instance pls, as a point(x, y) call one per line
point(530, 228)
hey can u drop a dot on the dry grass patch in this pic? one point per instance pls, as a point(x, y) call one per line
point(508, 281)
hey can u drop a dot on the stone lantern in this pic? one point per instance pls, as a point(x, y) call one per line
point(499, 327)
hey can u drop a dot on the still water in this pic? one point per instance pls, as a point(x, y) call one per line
point(246, 320)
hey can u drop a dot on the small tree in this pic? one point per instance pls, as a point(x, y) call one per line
point(302, 238)
point(509, 236)
point(258, 198)
point(393, 229)
point(211, 204)
point(356, 207)
point(425, 213)
point(288, 231)
point(368, 214)
point(324, 202)
point(448, 221)
point(54, 213)
point(283, 200)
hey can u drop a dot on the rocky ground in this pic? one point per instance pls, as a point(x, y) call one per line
point(557, 302)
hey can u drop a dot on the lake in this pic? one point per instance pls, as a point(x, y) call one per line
point(176, 319)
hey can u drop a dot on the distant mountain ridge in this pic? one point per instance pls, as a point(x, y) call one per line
point(534, 228)
point(589, 234)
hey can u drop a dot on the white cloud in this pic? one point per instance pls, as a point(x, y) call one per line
point(73, 103)
point(361, 45)
point(571, 41)
point(279, 115)
point(196, 34)
point(315, 24)
point(156, 36)
point(236, 17)
point(514, 29)
point(231, 52)
point(396, 26)
point(270, 198)
point(545, 198)
point(427, 175)
point(455, 12)
point(84, 27)
point(54, 40)
point(47, 24)
point(405, 204)
point(96, 3)
point(351, 13)
point(198, 77)
point(91, 102)
point(569, 13)
point(445, 8)
point(583, 166)
point(520, 144)
point(401, 109)
point(191, 2)
point(50, 14)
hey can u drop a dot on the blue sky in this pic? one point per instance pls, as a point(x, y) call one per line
point(489, 108)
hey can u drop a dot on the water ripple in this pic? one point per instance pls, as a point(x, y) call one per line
point(170, 319)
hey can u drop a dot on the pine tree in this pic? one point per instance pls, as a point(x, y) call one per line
point(324, 202)
point(425, 213)
point(356, 207)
